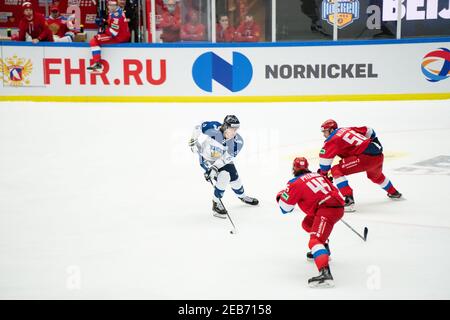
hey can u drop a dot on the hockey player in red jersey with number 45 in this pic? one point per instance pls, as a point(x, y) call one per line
point(324, 207)
point(116, 31)
point(360, 151)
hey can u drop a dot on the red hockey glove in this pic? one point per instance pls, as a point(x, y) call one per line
point(279, 195)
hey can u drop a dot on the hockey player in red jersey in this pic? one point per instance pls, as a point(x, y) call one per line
point(56, 22)
point(33, 24)
point(360, 151)
point(324, 207)
point(116, 31)
point(63, 28)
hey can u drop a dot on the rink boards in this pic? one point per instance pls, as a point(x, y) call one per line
point(314, 71)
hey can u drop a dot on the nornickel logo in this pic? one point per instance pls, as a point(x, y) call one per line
point(235, 77)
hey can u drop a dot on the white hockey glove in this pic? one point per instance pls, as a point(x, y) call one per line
point(193, 145)
point(211, 173)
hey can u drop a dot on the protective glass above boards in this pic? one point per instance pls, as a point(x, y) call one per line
point(300, 20)
point(244, 20)
point(192, 20)
point(183, 21)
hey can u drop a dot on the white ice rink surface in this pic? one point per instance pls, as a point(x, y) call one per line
point(107, 201)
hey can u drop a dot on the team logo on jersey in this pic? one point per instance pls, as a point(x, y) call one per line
point(436, 65)
point(16, 71)
point(209, 66)
point(322, 151)
point(348, 11)
point(216, 152)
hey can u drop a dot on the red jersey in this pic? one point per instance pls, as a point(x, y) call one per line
point(309, 191)
point(224, 35)
point(118, 26)
point(36, 27)
point(57, 26)
point(344, 142)
point(170, 24)
point(248, 32)
point(193, 32)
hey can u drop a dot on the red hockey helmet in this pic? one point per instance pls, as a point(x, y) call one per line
point(329, 124)
point(300, 163)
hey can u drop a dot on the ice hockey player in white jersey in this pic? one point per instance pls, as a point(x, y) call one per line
point(217, 145)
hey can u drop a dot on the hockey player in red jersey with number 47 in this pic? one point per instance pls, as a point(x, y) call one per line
point(360, 151)
point(116, 31)
point(324, 207)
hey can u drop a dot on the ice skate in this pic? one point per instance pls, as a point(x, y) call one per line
point(96, 67)
point(219, 210)
point(395, 196)
point(323, 280)
point(349, 204)
point(249, 200)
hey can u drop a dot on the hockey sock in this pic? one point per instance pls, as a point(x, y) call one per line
point(96, 54)
point(218, 194)
point(319, 252)
point(238, 188)
point(342, 184)
point(223, 179)
point(387, 185)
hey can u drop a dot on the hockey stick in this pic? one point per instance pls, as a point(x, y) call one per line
point(234, 231)
point(366, 230)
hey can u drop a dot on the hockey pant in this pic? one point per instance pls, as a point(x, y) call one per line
point(319, 226)
point(371, 164)
point(228, 175)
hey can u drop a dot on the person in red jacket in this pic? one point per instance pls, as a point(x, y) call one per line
point(224, 32)
point(171, 23)
point(193, 30)
point(360, 151)
point(248, 30)
point(116, 31)
point(324, 207)
point(33, 24)
point(56, 22)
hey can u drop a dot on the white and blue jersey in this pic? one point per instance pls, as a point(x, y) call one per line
point(213, 148)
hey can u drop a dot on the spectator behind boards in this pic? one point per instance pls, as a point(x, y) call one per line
point(224, 32)
point(248, 30)
point(193, 30)
point(171, 22)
